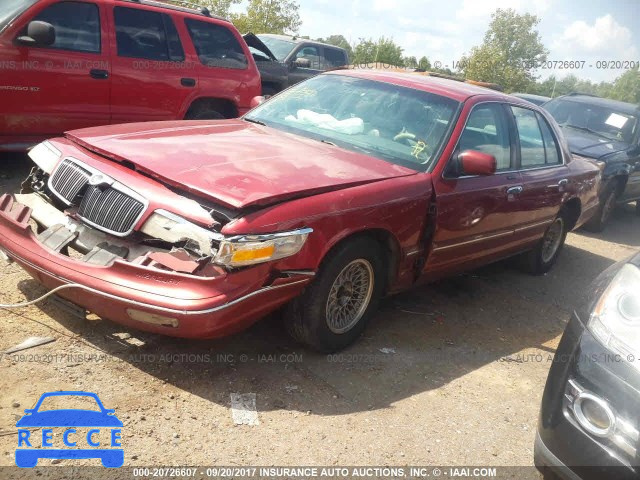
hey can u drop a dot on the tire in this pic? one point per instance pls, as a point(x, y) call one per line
point(205, 114)
point(607, 205)
point(542, 258)
point(319, 318)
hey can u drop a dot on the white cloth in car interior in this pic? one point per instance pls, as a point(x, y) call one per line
point(349, 126)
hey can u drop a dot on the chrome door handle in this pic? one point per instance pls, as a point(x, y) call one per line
point(514, 190)
point(563, 183)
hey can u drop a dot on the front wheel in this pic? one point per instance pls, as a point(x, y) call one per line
point(540, 260)
point(334, 310)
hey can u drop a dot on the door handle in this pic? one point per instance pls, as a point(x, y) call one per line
point(99, 74)
point(563, 183)
point(188, 82)
point(515, 190)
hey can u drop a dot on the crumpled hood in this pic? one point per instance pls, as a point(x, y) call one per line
point(590, 145)
point(233, 161)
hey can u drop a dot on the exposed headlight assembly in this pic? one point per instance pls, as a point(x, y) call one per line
point(45, 156)
point(251, 249)
point(615, 320)
point(233, 251)
point(173, 228)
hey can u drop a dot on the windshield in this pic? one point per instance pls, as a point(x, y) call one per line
point(397, 124)
point(10, 9)
point(280, 48)
point(597, 119)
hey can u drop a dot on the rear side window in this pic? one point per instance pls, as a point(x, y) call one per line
point(77, 26)
point(487, 131)
point(531, 144)
point(334, 58)
point(146, 34)
point(216, 45)
point(551, 150)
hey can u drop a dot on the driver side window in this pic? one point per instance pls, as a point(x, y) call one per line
point(311, 54)
point(487, 131)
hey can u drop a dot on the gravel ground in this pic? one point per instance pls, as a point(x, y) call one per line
point(447, 374)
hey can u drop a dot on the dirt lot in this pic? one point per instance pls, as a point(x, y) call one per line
point(459, 384)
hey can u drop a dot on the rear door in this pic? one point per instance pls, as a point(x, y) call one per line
point(544, 175)
point(59, 87)
point(151, 80)
point(476, 214)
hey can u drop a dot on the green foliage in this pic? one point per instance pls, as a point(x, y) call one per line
point(221, 8)
point(338, 41)
point(424, 63)
point(269, 16)
point(384, 50)
point(509, 53)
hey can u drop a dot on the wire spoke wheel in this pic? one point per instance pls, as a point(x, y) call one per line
point(349, 296)
point(552, 240)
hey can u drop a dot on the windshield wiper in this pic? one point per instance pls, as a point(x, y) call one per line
point(587, 129)
point(328, 142)
point(253, 120)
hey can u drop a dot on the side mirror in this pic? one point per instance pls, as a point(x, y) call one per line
point(473, 162)
point(302, 63)
point(255, 101)
point(39, 33)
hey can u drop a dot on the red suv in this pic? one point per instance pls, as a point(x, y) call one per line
point(72, 64)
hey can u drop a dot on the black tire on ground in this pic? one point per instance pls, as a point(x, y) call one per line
point(540, 260)
point(204, 114)
point(603, 214)
point(335, 309)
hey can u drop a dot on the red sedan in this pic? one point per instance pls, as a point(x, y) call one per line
point(345, 188)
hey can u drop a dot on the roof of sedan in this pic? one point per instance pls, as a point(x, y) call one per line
point(455, 89)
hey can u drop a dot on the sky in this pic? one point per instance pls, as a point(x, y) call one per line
point(444, 30)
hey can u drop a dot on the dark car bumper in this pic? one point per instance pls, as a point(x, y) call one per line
point(562, 444)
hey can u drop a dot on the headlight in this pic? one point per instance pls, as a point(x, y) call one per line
point(615, 320)
point(45, 156)
point(252, 249)
point(173, 229)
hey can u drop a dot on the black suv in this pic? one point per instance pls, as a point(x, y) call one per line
point(607, 131)
point(283, 61)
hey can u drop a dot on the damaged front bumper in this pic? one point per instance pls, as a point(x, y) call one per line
point(138, 295)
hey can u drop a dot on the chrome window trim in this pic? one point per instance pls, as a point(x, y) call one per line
point(113, 184)
point(508, 104)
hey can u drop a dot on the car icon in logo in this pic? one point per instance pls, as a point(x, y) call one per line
point(69, 420)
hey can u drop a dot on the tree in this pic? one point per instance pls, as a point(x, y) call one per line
point(626, 87)
point(424, 63)
point(221, 8)
point(338, 41)
point(382, 51)
point(510, 52)
point(410, 62)
point(269, 16)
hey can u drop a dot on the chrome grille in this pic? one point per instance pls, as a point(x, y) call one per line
point(110, 209)
point(69, 179)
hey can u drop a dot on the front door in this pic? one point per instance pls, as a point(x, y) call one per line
point(311, 54)
point(59, 87)
point(476, 214)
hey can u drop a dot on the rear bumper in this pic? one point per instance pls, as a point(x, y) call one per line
point(153, 300)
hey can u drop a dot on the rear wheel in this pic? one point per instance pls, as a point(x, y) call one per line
point(334, 310)
point(540, 260)
point(607, 205)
